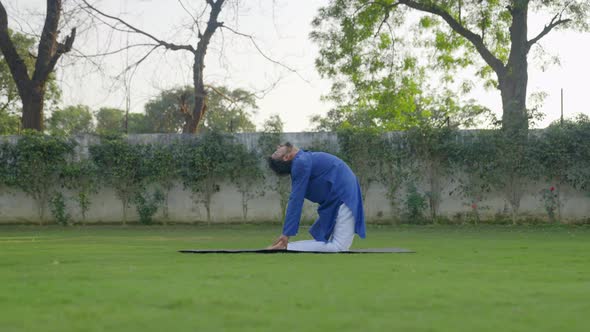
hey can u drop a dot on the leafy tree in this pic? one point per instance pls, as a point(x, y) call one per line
point(9, 123)
point(137, 123)
point(32, 84)
point(163, 113)
point(363, 41)
point(109, 121)
point(71, 120)
point(10, 102)
point(230, 111)
point(198, 49)
point(227, 110)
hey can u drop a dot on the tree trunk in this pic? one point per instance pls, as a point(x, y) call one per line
point(32, 88)
point(33, 102)
point(513, 80)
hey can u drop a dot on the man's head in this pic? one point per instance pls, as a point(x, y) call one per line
point(281, 160)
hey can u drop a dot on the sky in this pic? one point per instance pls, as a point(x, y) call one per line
point(280, 29)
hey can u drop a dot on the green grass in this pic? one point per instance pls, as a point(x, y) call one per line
point(132, 279)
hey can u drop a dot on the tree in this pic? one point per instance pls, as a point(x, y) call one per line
point(361, 35)
point(137, 123)
point(162, 113)
point(72, 120)
point(10, 106)
point(195, 105)
point(109, 121)
point(32, 85)
point(229, 111)
point(195, 115)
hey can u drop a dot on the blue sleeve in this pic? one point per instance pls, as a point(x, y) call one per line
point(299, 179)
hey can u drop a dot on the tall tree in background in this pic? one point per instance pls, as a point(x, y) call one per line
point(351, 34)
point(195, 115)
point(72, 120)
point(229, 110)
point(109, 121)
point(32, 85)
point(205, 24)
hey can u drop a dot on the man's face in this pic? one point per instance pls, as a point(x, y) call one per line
point(281, 152)
point(281, 160)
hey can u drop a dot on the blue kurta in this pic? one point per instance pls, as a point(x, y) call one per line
point(324, 179)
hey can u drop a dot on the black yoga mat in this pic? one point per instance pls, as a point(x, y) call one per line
point(284, 251)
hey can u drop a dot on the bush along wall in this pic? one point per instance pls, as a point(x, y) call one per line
point(416, 172)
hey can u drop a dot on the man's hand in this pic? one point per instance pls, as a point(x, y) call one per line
point(280, 243)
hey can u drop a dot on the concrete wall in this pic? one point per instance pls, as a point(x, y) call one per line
point(16, 207)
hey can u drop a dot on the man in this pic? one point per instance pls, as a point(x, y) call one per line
point(324, 179)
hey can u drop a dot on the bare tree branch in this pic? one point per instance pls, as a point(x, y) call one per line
point(97, 55)
point(195, 21)
point(138, 62)
point(170, 46)
point(555, 21)
point(263, 54)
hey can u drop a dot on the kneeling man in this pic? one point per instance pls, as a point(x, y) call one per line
point(324, 179)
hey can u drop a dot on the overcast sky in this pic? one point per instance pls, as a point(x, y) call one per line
point(281, 29)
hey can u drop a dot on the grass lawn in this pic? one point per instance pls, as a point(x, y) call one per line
point(132, 279)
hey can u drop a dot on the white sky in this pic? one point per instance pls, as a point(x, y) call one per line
point(281, 29)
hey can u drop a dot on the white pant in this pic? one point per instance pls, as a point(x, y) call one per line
point(341, 238)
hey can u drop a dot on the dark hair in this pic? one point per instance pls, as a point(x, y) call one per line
point(280, 167)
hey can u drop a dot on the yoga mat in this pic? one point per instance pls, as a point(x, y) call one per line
point(284, 251)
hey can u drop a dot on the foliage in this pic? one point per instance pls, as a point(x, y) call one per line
point(550, 202)
point(363, 158)
point(81, 176)
point(147, 205)
point(10, 103)
point(478, 164)
point(205, 164)
point(118, 163)
point(10, 123)
point(58, 208)
point(163, 115)
point(162, 112)
point(109, 121)
point(415, 204)
point(72, 120)
point(137, 123)
point(247, 175)
point(395, 167)
point(160, 166)
point(37, 162)
point(432, 147)
point(395, 62)
point(230, 116)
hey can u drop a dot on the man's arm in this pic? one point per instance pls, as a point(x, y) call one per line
point(300, 174)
